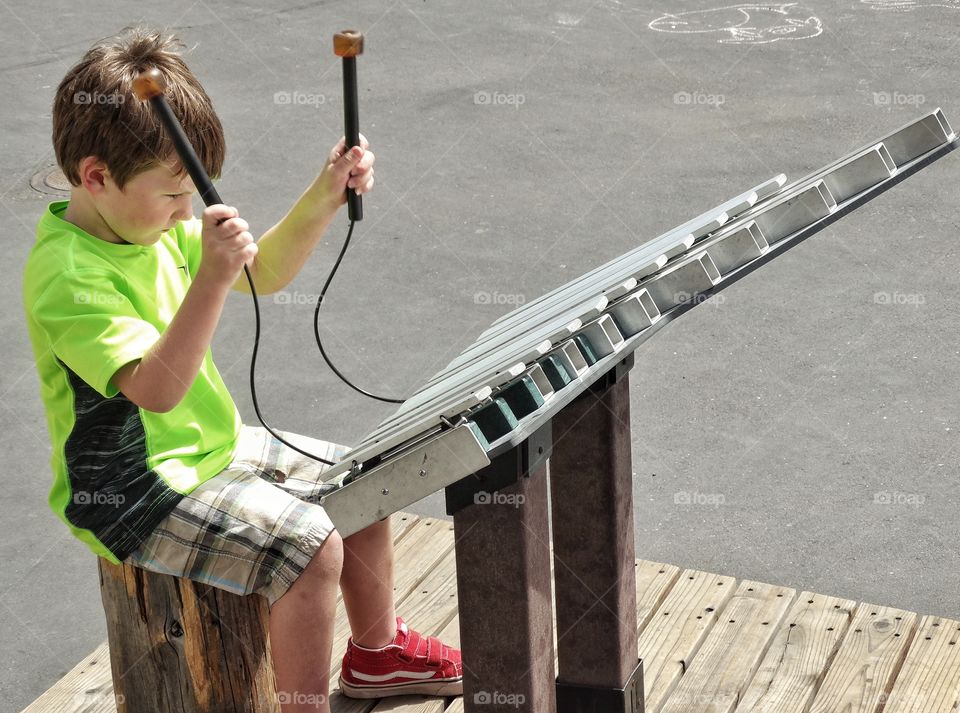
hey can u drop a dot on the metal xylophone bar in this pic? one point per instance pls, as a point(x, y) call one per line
point(540, 357)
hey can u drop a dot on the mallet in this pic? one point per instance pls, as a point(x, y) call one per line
point(150, 86)
point(348, 45)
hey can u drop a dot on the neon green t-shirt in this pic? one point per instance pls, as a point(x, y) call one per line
point(91, 307)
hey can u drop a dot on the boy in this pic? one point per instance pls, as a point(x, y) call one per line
point(152, 465)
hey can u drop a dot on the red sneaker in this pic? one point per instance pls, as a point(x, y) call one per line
point(410, 664)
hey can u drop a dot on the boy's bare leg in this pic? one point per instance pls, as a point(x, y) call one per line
point(367, 585)
point(301, 632)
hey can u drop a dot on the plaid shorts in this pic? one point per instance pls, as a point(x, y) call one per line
point(251, 528)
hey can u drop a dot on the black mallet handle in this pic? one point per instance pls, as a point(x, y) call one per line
point(348, 45)
point(150, 86)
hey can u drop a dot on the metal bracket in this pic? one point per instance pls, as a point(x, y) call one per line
point(574, 698)
point(611, 377)
point(504, 470)
point(408, 477)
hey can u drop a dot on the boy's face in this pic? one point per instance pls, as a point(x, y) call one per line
point(151, 202)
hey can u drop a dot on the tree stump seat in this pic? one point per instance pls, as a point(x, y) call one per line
point(177, 646)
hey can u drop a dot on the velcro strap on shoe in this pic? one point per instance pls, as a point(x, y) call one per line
point(410, 648)
point(434, 652)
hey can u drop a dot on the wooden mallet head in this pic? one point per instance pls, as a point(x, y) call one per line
point(149, 84)
point(348, 43)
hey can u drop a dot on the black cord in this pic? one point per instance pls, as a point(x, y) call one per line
point(253, 383)
point(316, 331)
point(316, 326)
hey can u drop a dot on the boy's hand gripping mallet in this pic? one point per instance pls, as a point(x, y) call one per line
point(348, 44)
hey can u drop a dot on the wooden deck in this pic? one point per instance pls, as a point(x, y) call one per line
point(710, 644)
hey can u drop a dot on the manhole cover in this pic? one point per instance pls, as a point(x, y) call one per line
point(51, 180)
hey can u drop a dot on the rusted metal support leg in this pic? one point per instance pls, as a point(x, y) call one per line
point(591, 488)
point(503, 583)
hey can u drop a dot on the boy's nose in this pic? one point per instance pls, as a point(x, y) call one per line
point(184, 208)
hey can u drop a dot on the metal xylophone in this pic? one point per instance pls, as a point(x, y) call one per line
point(538, 358)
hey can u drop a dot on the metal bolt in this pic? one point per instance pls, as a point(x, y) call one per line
point(176, 630)
point(384, 492)
point(423, 473)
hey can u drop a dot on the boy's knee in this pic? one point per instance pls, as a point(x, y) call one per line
point(327, 561)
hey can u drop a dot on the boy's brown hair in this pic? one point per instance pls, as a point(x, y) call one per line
point(96, 113)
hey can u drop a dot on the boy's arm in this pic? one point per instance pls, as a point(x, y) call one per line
point(160, 379)
point(285, 247)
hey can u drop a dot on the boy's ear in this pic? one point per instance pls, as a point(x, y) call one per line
point(93, 174)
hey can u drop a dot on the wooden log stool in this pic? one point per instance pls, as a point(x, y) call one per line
point(177, 646)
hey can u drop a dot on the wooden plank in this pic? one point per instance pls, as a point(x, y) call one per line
point(929, 681)
point(799, 657)
point(456, 706)
point(411, 704)
point(401, 523)
point(88, 687)
point(677, 627)
point(429, 541)
point(721, 670)
point(869, 659)
point(654, 580)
